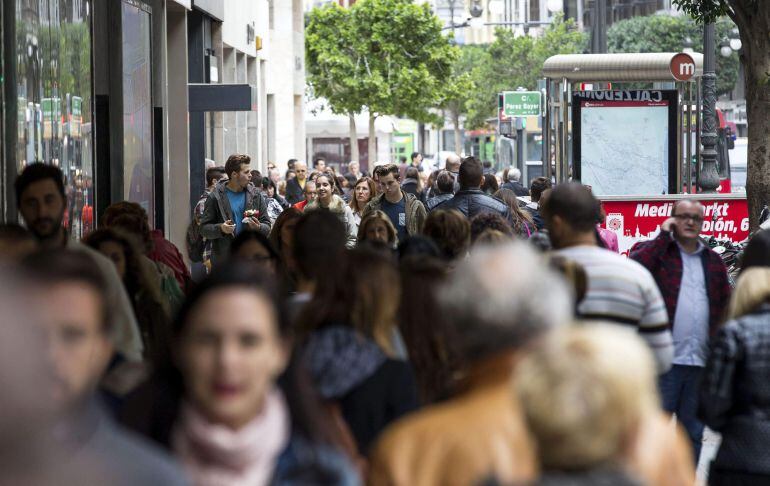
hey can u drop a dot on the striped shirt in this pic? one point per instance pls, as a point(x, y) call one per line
point(622, 291)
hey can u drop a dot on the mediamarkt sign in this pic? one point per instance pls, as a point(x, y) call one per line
point(634, 221)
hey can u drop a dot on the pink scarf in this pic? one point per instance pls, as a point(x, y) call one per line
point(215, 455)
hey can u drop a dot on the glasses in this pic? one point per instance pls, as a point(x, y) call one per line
point(697, 219)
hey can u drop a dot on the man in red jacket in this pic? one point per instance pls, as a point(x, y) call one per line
point(693, 281)
point(310, 195)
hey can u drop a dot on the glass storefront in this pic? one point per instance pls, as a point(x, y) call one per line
point(53, 89)
point(137, 106)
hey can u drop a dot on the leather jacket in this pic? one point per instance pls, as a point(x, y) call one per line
point(735, 394)
point(471, 202)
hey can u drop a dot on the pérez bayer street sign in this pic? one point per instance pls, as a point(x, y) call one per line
point(521, 103)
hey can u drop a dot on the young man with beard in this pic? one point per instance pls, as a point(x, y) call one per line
point(232, 207)
point(41, 200)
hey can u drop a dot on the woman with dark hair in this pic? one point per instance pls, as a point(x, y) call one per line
point(232, 421)
point(329, 201)
point(418, 245)
point(253, 246)
point(451, 232)
point(490, 185)
point(353, 348)
point(523, 225)
point(281, 239)
point(429, 340)
point(141, 283)
point(412, 183)
point(363, 192)
point(270, 191)
point(757, 253)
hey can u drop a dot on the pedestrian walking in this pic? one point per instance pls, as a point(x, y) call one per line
point(295, 187)
point(269, 191)
point(404, 210)
point(693, 281)
point(512, 182)
point(353, 348)
point(310, 194)
point(757, 252)
point(496, 303)
point(219, 407)
point(42, 202)
point(470, 200)
point(378, 228)
point(412, 183)
point(735, 393)
point(329, 201)
point(620, 290)
point(523, 224)
point(363, 191)
point(255, 248)
point(444, 190)
point(69, 303)
point(232, 207)
point(537, 188)
point(450, 231)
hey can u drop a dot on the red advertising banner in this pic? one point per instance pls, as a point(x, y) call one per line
point(639, 219)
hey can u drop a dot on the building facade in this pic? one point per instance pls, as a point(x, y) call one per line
point(130, 97)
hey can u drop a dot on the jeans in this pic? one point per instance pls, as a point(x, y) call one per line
point(679, 393)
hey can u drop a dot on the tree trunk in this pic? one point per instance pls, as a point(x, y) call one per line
point(458, 134)
point(353, 140)
point(372, 142)
point(756, 63)
point(421, 138)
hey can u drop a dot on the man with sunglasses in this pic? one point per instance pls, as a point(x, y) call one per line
point(693, 281)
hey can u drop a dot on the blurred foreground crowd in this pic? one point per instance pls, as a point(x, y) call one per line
point(365, 334)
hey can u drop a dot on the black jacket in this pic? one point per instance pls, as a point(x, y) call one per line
point(294, 192)
point(471, 202)
point(431, 204)
point(371, 389)
point(410, 187)
point(217, 210)
point(537, 218)
point(516, 187)
point(735, 393)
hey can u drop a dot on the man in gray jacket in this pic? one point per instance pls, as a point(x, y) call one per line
point(232, 207)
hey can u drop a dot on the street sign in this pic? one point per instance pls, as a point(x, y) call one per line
point(682, 67)
point(521, 103)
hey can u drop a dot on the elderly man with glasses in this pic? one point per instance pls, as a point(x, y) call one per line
point(693, 281)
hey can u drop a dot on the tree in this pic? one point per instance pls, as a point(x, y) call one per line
point(753, 20)
point(460, 88)
point(511, 62)
point(332, 65)
point(665, 33)
point(386, 55)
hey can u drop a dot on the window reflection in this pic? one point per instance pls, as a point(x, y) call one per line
point(53, 56)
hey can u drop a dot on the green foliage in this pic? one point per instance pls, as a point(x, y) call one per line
point(704, 11)
point(386, 55)
point(511, 61)
point(663, 33)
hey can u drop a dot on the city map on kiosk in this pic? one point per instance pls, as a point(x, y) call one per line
point(625, 141)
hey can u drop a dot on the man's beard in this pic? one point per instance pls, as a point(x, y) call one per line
point(52, 227)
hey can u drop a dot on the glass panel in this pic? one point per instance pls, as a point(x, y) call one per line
point(137, 109)
point(53, 55)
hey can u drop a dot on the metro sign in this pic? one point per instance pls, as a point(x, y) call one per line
point(682, 67)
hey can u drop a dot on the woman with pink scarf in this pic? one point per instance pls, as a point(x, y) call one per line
point(218, 406)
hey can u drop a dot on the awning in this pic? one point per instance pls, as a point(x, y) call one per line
point(665, 66)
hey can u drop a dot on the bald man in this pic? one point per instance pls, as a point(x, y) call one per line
point(295, 188)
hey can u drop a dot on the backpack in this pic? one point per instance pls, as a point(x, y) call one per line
point(195, 242)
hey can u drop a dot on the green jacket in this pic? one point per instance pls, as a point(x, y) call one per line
point(415, 212)
point(217, 210)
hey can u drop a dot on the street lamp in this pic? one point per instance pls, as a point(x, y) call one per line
point(554, 6)
point(735, 40)
point(476, 9)
point(688, 45)
point(725, 49)
point(496, 7)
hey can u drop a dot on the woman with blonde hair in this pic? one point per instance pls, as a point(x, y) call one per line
point(363, 191)
point(588, 393)
point(377, 227)
point(735, 394)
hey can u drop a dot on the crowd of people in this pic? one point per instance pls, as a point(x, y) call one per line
point(403, 328)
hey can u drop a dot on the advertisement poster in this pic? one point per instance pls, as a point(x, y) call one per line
point(635, 220)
